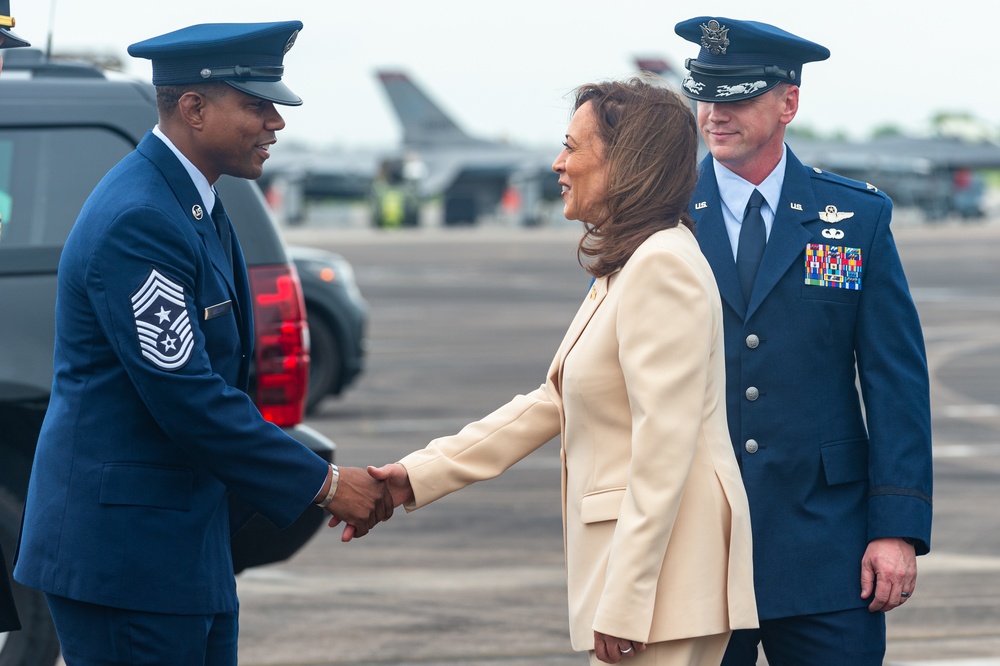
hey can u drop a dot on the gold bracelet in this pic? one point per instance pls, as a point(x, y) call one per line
point(334, 478)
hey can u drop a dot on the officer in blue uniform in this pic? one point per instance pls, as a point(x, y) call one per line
point(8, 612)
point(149, 428)
point(814, 298)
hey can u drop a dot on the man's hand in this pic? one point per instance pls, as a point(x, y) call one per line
point(611, 649)
point(360, 501)
point(890, 566)
point(397, 484)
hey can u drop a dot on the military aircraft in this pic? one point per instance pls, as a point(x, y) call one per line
point(436, 158)
point(294, 175)
point(473, 175)
point(940, 176)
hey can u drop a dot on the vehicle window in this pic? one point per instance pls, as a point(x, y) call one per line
point(6, 156)
point(45, 176)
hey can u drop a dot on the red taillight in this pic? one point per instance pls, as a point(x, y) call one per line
point(282, 359)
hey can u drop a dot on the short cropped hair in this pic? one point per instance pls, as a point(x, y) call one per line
point(167, 97)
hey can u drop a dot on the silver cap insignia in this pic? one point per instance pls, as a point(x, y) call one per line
point(714, 37)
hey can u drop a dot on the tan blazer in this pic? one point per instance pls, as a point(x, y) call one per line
point(656, 522)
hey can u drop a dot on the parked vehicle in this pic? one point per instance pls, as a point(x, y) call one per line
point(338, 318)
point(62, 127)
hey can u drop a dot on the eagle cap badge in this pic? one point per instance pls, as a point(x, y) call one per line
point(714, 37)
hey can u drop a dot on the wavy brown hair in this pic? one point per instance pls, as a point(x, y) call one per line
point(650, 140)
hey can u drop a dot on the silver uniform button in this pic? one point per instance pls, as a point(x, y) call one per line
point(751, 446)
point(752, 341)
point(752, 393)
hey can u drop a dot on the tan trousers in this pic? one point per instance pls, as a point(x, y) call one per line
point(700, 651)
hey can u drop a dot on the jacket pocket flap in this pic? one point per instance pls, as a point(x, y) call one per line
point(601, 505)
point(147, 485)
point(844, 462)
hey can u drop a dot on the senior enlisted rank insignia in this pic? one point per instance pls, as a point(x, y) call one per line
point(161, 322)
point(833, 266)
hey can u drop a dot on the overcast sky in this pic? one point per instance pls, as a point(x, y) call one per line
point(504, 69)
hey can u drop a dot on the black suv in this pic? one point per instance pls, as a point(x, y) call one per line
point(62, 127)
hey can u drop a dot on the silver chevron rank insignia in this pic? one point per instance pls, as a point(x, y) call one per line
point(161, 321)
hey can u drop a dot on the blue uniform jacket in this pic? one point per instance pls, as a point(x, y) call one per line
point(824, 474)
point(148, 426)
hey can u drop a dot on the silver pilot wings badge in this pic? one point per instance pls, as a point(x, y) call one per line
point(832, 215)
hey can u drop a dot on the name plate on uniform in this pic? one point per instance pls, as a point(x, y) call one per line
point(833, 266)
point(213, 311)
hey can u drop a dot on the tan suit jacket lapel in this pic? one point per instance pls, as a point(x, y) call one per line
point(591, 302)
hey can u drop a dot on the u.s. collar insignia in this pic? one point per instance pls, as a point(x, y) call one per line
point(796, 206)
point(832, 215)
point(197, 211)
point(700, 205)
point(714, 37)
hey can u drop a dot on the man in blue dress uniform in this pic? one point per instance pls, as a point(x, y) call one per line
point(8, 612)
point(814, 300)
point(149, 428)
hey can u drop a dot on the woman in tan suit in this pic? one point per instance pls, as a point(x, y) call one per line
point(656, 523)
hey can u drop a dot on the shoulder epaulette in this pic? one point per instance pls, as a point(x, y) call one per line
point(837, 179)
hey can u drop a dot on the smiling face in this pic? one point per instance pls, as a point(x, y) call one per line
point(236, 135)
point(583, 169)
point(747, 136)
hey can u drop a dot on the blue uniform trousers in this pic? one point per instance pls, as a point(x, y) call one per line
point(93, 635)
point(853, 637)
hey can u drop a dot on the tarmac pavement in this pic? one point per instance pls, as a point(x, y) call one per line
point(462, 320)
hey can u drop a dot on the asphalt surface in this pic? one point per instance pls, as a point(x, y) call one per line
point(462, 320)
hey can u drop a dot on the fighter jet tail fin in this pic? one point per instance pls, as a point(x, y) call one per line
point(423, 121)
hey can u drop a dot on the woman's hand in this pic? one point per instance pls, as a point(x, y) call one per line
point(611, 649)
point(398, 481)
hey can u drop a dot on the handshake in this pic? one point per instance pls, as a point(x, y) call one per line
point(364, 498)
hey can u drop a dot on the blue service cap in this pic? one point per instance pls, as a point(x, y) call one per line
point(247, 56)
point(742, 59)
point(10, 40)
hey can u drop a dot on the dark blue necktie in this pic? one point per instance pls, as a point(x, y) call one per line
point(222, 227)
point(753, 237)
